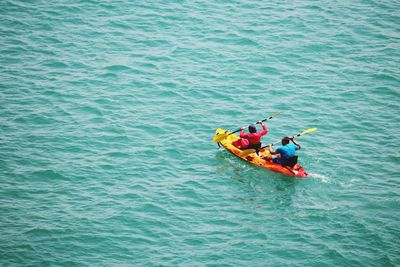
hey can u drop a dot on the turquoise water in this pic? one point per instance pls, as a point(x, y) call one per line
point(108, 109)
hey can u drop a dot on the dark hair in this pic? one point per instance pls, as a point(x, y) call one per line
point(285, 140)
point(252, 128)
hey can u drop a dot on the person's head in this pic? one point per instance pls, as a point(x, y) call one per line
point(252, 128)
point(285, 140)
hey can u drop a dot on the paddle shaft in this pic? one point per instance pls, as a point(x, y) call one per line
point(297, 135)
point(250, 150)
point(255, 123)
point(224, 135)
point(280, 141)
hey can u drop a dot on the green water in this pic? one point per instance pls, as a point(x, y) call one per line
point(108, 108)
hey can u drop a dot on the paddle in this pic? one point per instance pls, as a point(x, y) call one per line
point(219, 137)
point(250, 151)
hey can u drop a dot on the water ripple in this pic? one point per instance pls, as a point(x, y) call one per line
point(108, 110)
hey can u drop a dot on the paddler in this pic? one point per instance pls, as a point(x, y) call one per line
point(287, 152)
point(253, 137)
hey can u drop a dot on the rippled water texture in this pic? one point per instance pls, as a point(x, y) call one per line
point(108, 108)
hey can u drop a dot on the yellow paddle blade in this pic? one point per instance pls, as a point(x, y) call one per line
point(246, 152)
point(276, 114)
point(307, 131)
point(219, 137)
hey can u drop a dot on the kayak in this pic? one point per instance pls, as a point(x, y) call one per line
point(263, 160)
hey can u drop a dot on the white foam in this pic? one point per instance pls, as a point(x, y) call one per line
point(322, 177)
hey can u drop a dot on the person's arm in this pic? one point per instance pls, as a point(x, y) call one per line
point(294, 142)
point(264, 130)
point(242, 135)
point(273, 152)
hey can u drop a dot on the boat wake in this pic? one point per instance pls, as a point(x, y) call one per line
point(323, 178)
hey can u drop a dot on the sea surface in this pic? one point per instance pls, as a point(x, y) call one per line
point(108, 109)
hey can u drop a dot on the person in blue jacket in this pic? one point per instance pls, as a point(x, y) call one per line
point(286, 152)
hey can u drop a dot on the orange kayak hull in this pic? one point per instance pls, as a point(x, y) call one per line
point(263, 160)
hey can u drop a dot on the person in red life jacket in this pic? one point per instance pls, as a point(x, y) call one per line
point(254, 137)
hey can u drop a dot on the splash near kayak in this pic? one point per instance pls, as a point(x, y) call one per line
point(263, 159)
